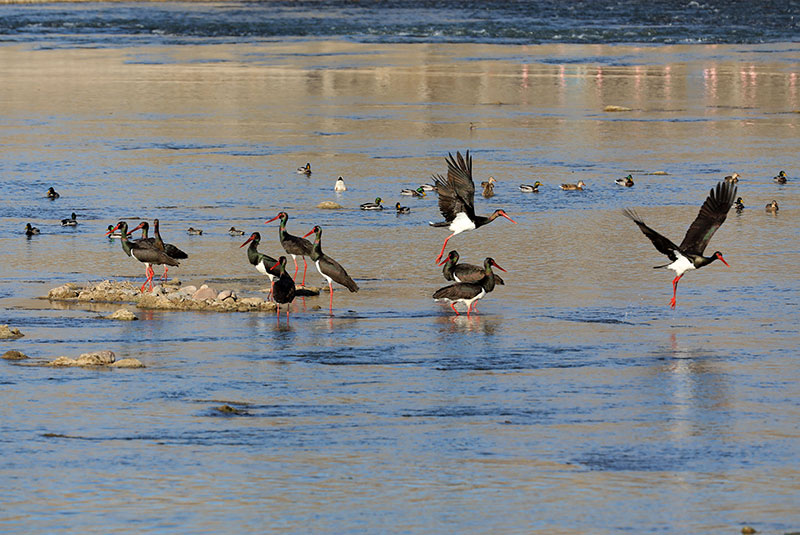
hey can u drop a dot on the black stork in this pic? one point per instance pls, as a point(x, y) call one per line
point(469, 292)
point(143, 252)
point(453, 271)
point(689, 254)
point(329, 268)
point(283, 291)
point(457, 199)
point(293, 245)
point(157, 242)
point(260, 261)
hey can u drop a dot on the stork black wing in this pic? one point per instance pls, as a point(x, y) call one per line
point(712, 215)
point(661, 243)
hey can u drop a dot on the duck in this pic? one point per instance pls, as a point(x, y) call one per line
point(781, 178)
point(306, 170)
point(627, 181)
point(194, 231)
point(52, 194)
point(488, 187)
point(339, 186)
point(739, 205)
point(530, 188)
point(372, 205)
point(31, 231)
point(233, 231)
point(734, 178)
point(113, 234)
point(772, 207)
point(402, 209)
point(419, 192)
point(428, 187)
point(574, 187)
point(70, 221)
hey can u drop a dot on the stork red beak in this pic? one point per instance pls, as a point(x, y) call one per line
point(245, 243)
point(444, 261)
point(278, 263)
point(498, 267)
point(504, 215)
point(310, 232)
point(135, 229)
point(112, 230)
point(722, 260)
point(273, 219)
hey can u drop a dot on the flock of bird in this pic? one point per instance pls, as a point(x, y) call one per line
point(456, 196)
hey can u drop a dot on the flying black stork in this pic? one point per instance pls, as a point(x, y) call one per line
point(329, 268)
point(469, 292)
point(283, 291)
point(293, 245)
point(144, 253)
point(457, 199)
point(689, 254)
point(454, 271)
point(260, 261)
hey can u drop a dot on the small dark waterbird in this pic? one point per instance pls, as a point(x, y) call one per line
point(31, 230)
point(689, 254)
point(52, 194)
point(143, 252)
point(329, 268)
point(419, 192)
point(468, 293)
point(459, 272)
point(260, 261)
point(293, 245)
point(283, 289)
point(627, 181)
point(781, 178)
point(772, 207)
point(530, 188)
point(373, 205)
point(739, 205)
point(402, 209)
point(70, 221)
point(305, 170)
point(457, 199)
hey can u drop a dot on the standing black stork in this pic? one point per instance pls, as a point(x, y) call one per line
point(457, 199)
point(469, 292)
point(143, 252)
point(328, 267)
point(260, 261)
point(689, 254)
point(171, 250)
point(453, 271)
point(293, 245)
point(283, 291)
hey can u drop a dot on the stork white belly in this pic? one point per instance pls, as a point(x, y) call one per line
point(263, 270)
point(461, 223)
point(681, 265)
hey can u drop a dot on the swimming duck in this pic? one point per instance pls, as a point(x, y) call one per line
point(339, 186)
point(113, 234)
point(372, 205)
point(428, 187)
point(488, 187)
point(419, 192)
point(30, 231)
point(530, 188)
point(194, 231)
point(772, 207)
point(304, 170)
point(739, 205)
point(402, 209)
point(781, 178)
point(627, 181)
point(233, 231)
point(70, 221)
point(573, 187)
point(52, 194)
point(732, 178)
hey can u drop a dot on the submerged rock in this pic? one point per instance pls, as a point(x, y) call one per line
point(330, 205)
point(62, 292)
point(127, 363)
point(7, 332)
point(13, 354)
point(616, 108)
point(123, 314)
point(96, 358)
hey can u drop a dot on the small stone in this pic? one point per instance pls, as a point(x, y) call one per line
point(616, 108)
point(227, 409)
point(204, 293)
point(127, 363)
point(158, 290)
point(330, 205)
point(123, 314)
point(62, 292)
point(13, 354)
point(748, 530)
point(251, 301)
point(226, 294)
point(7, 332)
point(187, 290)
point(96, 358)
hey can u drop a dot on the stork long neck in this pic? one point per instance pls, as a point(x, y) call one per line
point(488, 279)
point(252, 252)
point(126, 244)
point(447, 271)
point(316, 253)
point(700, 260)
point(159, 241)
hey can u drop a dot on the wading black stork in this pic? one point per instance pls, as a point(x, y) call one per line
point(144, 253)
point(260, 261)
point(329, 268)
point(469, 292)
point(453, 271)
point(689, 254)
point(457, 199)
point(293, 245)
point(158, 243)
point(283, 290)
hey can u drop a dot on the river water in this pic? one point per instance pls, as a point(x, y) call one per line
point(574, 401)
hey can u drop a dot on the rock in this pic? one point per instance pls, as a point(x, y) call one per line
point(187, 290)
point(7, 332)
point(62, 361)
point(226, 294)
point(204, 293)
point(748, 530)
point(13, 354)
point(616, 108)
point(252, 301)
point(330, 205)
point(96, 358)
point(123, 314)
point(62, 292)
point(158, 290)
point(154, 302)
point(127, 363)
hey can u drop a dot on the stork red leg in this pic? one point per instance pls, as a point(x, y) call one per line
point(330, 287)
point(296, 267)
point(443, 246)
point(305, 267)
point(675, 290)
point(453, 306)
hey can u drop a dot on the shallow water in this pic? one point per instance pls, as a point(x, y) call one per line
point(575, 401)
